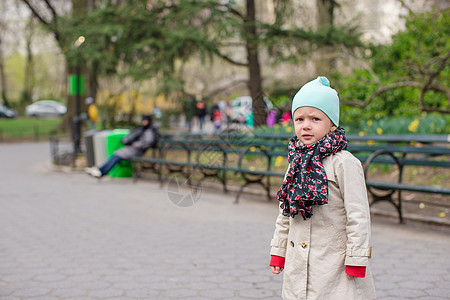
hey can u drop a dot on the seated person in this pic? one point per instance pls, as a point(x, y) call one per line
point(136, 143)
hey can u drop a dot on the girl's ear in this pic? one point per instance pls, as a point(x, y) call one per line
point(333, 128)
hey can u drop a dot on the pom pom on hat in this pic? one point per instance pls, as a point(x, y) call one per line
point(318, 94)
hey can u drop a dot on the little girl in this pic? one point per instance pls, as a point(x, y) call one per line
point(322, 233)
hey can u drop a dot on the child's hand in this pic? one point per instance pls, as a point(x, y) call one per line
point(276, 270)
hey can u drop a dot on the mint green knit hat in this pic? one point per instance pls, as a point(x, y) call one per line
point(318, 94)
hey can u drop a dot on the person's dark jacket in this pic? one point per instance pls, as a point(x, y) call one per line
point(137, 142)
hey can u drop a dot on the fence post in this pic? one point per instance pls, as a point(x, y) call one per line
point(54, 149)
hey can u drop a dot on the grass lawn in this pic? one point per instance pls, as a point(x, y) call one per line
point(22, 128)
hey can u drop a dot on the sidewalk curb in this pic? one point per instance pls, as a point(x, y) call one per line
point(410, 217)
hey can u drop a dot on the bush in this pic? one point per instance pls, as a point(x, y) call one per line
point(411, 58)
point(427, 124)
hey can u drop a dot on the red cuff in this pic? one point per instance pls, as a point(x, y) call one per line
point(276, 261)
point(356, 271)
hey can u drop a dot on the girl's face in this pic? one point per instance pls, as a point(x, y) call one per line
point(311, 124)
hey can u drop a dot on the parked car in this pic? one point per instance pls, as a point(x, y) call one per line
point(242, 108)
point(46, 108)
point(6, 112)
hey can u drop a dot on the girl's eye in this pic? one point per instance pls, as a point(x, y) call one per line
point(316, 119)
point(299, 119)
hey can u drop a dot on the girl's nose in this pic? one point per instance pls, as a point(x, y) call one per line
point(306, 124)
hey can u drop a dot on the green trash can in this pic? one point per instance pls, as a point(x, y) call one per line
point(113, 143)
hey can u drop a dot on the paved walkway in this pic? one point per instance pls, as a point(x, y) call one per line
point(69, 236)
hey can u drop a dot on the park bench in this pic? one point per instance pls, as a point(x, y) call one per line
point(218, 156)
point(210, 157)
point(425, 151)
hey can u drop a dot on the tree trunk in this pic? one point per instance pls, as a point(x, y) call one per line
point(92, 80)
point(3, 77)
point(325, 64)
point(325, 13)
point(27, 84)
point(255, 83)
point(75, 102)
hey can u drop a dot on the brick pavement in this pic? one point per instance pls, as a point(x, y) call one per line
point(69, 236)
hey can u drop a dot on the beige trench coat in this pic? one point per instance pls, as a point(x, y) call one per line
point(338, 234)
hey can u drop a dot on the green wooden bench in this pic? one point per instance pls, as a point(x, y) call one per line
point(392, 191)
point(210, 157)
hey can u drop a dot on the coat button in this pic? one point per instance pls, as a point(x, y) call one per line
point(304, 245)
point(292, 243)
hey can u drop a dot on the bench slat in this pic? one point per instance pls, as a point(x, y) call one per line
point(407, 187)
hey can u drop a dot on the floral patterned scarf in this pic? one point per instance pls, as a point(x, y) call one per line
point(306, 182)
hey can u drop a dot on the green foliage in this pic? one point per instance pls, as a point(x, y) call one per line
point(43, 81)
point(289, 45)
point(425, 37)
point(277, 129)
point(15, 63)
point(145, 41)
point(426, 124)
point(27, 127)
point(406, 65)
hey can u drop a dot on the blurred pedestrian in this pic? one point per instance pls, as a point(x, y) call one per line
point(189, 111)
point(92, 112)
point(157, 115)
point(322, 233)
point(216, 115)
point(201, 113)
point(285, 118)
point(271, 118)
point(136, 143)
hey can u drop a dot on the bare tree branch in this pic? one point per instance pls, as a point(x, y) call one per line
point(52, 9)
point(424, 87)
point(380, 91)
point(230, 60)
point(35, 13)
point(225, 87)
point(427, 85)
point(440, 89)
point(404, 5)
point(433, 109)
point(230, 9)
point(52, 24)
